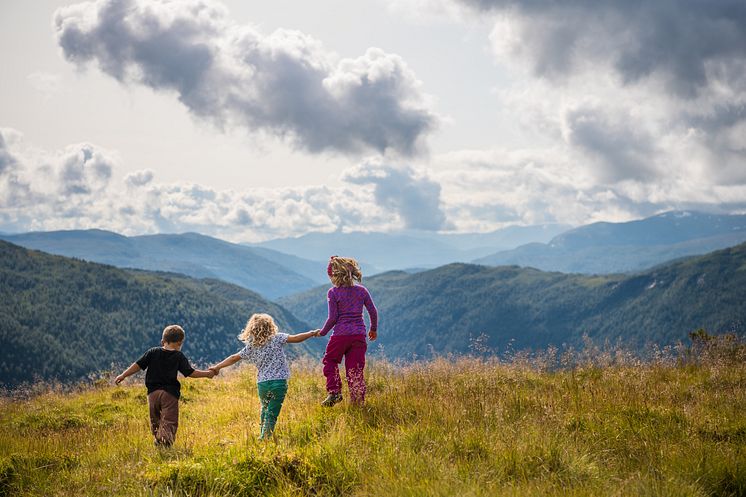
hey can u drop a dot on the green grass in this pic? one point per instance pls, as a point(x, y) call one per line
point(463, 427)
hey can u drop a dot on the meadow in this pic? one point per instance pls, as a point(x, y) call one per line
point(601, 424)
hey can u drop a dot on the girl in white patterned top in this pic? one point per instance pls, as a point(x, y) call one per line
point(264, 348)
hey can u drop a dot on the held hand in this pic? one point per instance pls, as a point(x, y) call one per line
point(372, 334)
point(214, 371)
point(316, 332)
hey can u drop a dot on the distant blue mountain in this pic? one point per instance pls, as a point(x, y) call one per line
point(385, 251)
point(267, 272)
point(601, 248)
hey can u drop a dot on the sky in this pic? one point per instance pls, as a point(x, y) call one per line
point(257, 120)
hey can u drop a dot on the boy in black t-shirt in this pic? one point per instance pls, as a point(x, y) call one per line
point(162, 364)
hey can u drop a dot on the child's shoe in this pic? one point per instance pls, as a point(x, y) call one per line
point(331, 399)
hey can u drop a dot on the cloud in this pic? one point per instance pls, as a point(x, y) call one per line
point(688, 43)
point(636, 91)
point(415, 197)
point(283, 84)
point(83, 170)
point(139, 178)
point(622, 151)
point(485, 189)
point(78, 187)
point(60, 182)
point(7, 161)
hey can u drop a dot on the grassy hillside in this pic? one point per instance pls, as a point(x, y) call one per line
point(444, 428)
point(443, 309)
point(62, 318)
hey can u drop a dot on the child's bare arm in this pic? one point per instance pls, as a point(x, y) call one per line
point(134, 368)
point(199, 373)
point(302, 336)
point(228, 361)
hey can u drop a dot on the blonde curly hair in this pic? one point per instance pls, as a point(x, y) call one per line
point(344, 271)
point(259, 329)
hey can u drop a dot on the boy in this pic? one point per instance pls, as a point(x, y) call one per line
point(162, 364)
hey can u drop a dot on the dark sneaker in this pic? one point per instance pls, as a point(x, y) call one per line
point(331, 399)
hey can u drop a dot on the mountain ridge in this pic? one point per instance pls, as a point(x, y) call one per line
point(192, 254)
point(606, 248)
point(443, 309)
point(63, 318)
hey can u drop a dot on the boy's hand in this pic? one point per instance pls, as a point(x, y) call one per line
point(316, 332)
point(214, 372)
point(119, 379)
point(372, 334)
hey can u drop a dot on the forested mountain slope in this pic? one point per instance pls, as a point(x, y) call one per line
point(62, 318)
point(444, 309)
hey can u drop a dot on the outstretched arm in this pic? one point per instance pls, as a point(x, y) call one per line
point(228, 361)
point(300, 337)
point(199, 373)
point(134, 368)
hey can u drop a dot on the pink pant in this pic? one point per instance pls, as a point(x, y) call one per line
point(352, 348)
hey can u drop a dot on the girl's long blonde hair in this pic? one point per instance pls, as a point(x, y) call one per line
point(259, 329)
point(344, 271)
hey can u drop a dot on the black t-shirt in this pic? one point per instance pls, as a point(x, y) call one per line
point(162, 366)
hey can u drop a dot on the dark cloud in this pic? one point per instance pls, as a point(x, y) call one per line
point(283, 84)
point(686, 42)
point(6, 159)
point(14, 190)
point(83, 171)
point(681, 64)
point(139, 178)
point(621, 149)
point(416, 199)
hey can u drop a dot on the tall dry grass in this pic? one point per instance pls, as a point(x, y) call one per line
point(585, 423)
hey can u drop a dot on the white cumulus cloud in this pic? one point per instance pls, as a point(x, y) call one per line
point(282, 84)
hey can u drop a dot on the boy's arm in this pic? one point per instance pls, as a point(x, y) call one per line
point(228, 361)
point(302, 336)
point(134, 368)
point(198, 373)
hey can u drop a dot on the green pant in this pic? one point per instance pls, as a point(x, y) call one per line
point(271, 395)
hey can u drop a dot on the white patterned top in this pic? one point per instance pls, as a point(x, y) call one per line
point(270, 360)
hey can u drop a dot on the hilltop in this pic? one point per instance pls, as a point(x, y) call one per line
point(445, 428)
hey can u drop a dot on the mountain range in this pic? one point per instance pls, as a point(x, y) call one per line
point(446, 309)
point(282, 267)
point(62, 318)
point(603, 248)
point(413, 249)
point(262, 270)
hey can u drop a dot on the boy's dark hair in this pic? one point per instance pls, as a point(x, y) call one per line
point(173, 333)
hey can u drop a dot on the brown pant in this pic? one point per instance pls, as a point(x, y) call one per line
point(164, 416)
